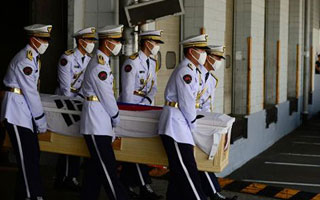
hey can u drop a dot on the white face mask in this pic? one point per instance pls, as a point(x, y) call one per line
point(202, 57)
point(154, 51)
point(116, 49)
point(42, 48)
point(90, 46)
point(217, 65)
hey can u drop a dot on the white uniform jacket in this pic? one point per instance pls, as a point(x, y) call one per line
point(71, 69)
point(182, 87)
point(98, 115)
point(138, 81)
point(26, 108)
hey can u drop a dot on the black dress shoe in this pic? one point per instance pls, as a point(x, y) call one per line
point(132, 194)
point(67, 183)
point(72, 184)
point(218, 196)
point(146, 193)
point(58, 183)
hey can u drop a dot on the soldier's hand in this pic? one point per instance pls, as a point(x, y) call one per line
point(41, 130)
point(41, 125)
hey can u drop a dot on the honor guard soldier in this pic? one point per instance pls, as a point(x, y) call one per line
point(178, 120)
point(22, 111)
point(204, 102)
point(139, 86)
point(71, 69)
point(100, 114)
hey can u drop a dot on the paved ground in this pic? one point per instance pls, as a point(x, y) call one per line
point(293, 162)
point(8, 175)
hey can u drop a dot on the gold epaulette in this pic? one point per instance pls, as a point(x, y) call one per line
point(69, 52)
point(134, 56)
point(101, 60)
point(190, 66)
point(217, 80)
point(29, 55)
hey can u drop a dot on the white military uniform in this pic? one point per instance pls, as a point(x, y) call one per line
point(205, 100)
point(139, 80)
point(178, 119)
point(22, 112)
point(205, 96)
point(22, 105)
point(139, 86)
point(100, 114)
point(71, 68)
point(100, 107)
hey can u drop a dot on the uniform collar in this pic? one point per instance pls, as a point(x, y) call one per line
point(78, 54)
point(34, 52)
point(105, 57)
point(143, 56)
point(203, 69)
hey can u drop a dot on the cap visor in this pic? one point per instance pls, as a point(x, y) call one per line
point(44, 38)
point(159, 41)
point(205, 48)
point(119, 39)
point(222, 57)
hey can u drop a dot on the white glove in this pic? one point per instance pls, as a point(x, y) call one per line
point(41, 125)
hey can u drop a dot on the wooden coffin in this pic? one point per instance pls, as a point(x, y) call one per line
point(137, 150)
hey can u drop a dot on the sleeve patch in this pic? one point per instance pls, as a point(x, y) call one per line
point(27, 71)
point(127, 68)
point(103, 75)
point(63, 61)
point(187, 78)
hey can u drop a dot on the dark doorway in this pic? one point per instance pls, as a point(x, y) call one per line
point(31, 12)
point(12, 34)
point(51, 12)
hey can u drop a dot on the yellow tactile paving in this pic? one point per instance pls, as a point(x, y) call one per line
point(316, 197)
point(286, 193)
point(254, 188)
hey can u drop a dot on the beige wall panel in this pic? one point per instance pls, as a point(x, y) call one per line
point(228, 71)
point(171, 37)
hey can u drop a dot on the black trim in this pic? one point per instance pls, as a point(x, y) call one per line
point(80, 95)
point(115, 115)
point(150, 101)
point(39, 117)
point(193, 121)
